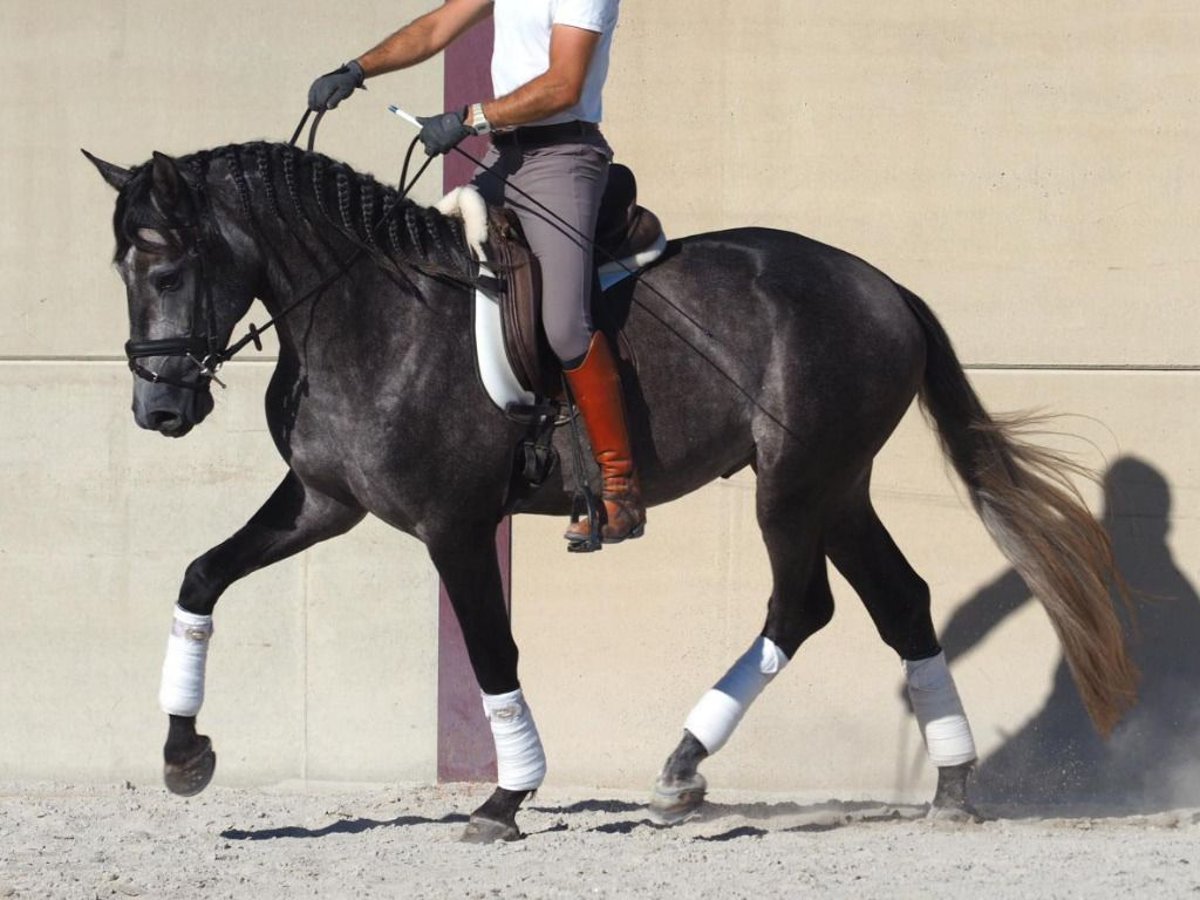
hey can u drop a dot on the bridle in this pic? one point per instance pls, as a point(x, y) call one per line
point(205, 350)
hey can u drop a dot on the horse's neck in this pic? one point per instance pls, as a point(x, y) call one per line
point(311, 220)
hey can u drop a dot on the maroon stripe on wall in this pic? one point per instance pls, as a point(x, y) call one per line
point(468, 80)
point(464, 747)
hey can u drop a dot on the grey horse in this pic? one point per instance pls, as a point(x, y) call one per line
point(748, 347)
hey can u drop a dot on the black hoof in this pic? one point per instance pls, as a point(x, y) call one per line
point(190, 777)
point(670, 804)
point(487, 831)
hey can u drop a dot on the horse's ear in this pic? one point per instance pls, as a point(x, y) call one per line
point(114, 175)
point(167, 181)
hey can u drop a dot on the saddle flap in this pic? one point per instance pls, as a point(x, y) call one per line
point(520, 298)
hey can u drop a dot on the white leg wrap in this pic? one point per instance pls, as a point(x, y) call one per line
point(520, 759)
point(182, 690)
point(719, 711)
point(939, 711)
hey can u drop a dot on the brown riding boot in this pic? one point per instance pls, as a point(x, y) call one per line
point(596, 386)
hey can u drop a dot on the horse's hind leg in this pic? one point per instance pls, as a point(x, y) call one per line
point(293, 519)
point(801, 604)
point(897, 600)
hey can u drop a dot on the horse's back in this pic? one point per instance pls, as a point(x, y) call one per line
point(756, 341)
point(789, 313)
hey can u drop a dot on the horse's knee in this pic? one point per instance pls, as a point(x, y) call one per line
point(200, 589)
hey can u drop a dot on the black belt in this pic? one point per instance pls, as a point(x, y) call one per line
point(545, 135)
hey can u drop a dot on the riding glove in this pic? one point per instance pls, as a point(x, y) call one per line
point(441, 133)
point(333, 87)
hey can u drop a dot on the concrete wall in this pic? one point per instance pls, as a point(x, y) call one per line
point(1028, 168)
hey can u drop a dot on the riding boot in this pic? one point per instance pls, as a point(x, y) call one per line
point(596, 386)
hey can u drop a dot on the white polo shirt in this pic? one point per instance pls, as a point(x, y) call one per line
point(522, 48)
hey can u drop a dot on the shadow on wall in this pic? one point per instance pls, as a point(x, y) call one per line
point(1152, 760)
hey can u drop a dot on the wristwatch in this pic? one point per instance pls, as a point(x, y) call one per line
point(479, 121)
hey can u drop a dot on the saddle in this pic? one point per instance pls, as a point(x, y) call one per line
point(628, 237)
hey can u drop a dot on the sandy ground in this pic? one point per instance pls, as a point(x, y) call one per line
point(401, 841)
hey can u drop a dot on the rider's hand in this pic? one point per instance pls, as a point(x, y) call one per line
point(441, 133)
point(333, 87)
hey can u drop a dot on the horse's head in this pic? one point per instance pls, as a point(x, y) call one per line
point(187, 282)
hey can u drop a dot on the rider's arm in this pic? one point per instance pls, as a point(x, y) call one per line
point(423, 37)
point(556, 89)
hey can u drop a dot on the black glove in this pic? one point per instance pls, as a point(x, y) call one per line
point(441, 133)
point(333, 87)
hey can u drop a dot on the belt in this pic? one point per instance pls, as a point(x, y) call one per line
point(545, 135)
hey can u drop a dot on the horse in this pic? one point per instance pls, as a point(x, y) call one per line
point(745, 347)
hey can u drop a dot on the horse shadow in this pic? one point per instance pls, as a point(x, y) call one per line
point(1152, 760)
point(341, 826)
point(719, 822)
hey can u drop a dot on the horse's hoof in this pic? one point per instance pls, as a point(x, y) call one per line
point(487, 831)
point(954, 814)
point(670, 804)
point(190, 777)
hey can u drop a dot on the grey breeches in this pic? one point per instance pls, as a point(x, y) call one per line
point(569, 179)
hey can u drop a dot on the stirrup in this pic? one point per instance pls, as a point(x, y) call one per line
point(592, 542)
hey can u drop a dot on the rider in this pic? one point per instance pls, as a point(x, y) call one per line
point(548, 70)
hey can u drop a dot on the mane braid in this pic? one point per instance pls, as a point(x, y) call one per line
point(424, 240)
point(288, 160)
point(318, 186)
point(414, 232)
point(233, 160)
point(343, 198)
point(366, 199)
point(389, 203)
point(262, 156)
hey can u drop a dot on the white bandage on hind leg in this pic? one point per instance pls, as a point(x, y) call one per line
point(520, 759)
point(939, 712)
point(719, 711)
point(182, 690)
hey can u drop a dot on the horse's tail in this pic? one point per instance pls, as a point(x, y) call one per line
point(1036, 516)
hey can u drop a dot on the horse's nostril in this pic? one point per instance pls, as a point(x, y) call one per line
point(161, 420)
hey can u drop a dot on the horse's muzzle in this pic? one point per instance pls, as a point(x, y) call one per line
point(169, 410)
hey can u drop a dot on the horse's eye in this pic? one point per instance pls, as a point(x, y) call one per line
point(167, 282)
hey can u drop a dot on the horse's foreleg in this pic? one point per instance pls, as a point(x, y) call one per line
point(801, 604)
point(293, 519)
point(471, 574)
point(898, 602)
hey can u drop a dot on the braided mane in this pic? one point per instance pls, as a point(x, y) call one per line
point(308, 193)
